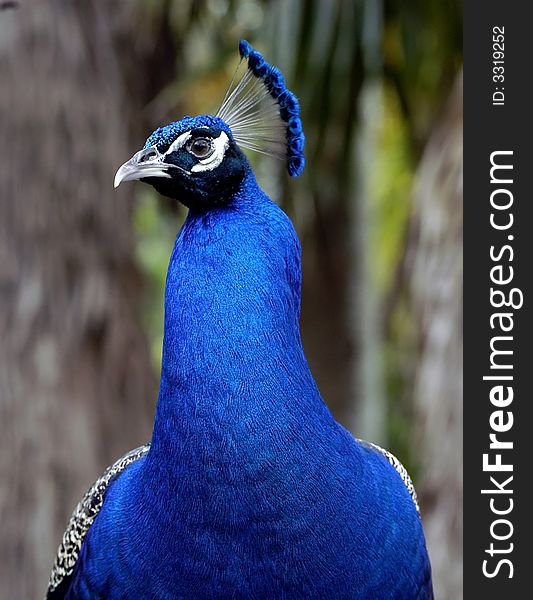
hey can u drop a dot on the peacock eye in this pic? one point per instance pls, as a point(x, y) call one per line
point(201, 147)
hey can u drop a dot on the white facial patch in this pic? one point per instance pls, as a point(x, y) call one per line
point(213, 161)
point(180, 141)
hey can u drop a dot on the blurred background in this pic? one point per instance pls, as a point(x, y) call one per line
point(82, 267)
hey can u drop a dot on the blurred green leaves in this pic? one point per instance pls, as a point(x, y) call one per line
point(390, 186)
point(156, 230)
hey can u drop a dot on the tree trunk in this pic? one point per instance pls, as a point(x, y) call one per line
point(435, 259)
point(76, 389)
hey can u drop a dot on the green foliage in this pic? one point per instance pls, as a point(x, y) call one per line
point(390, 190)
point(156, 230)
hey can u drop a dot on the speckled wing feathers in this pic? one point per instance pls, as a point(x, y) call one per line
point(83, 516)
point(402, 471)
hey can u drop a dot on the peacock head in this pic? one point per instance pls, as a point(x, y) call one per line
point(199, 160)
point(195, 160)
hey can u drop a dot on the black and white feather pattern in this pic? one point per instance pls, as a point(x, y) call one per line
point(83, 517)
point(402, 471)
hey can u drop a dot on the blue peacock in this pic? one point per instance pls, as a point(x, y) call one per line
point(249, 488)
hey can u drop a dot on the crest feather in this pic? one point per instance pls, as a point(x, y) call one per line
point(262, 113)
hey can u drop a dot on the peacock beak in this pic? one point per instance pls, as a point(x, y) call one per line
point(145, 163)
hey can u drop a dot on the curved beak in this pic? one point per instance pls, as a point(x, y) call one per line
point(145, 163)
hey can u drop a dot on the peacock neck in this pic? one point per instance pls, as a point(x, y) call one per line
point(233, 363)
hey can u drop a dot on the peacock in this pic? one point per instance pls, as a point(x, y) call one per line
point(249, 489)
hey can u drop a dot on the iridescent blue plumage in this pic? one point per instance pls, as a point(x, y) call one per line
point(250, 489)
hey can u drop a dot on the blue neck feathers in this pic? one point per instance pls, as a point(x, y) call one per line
point(233, 362)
